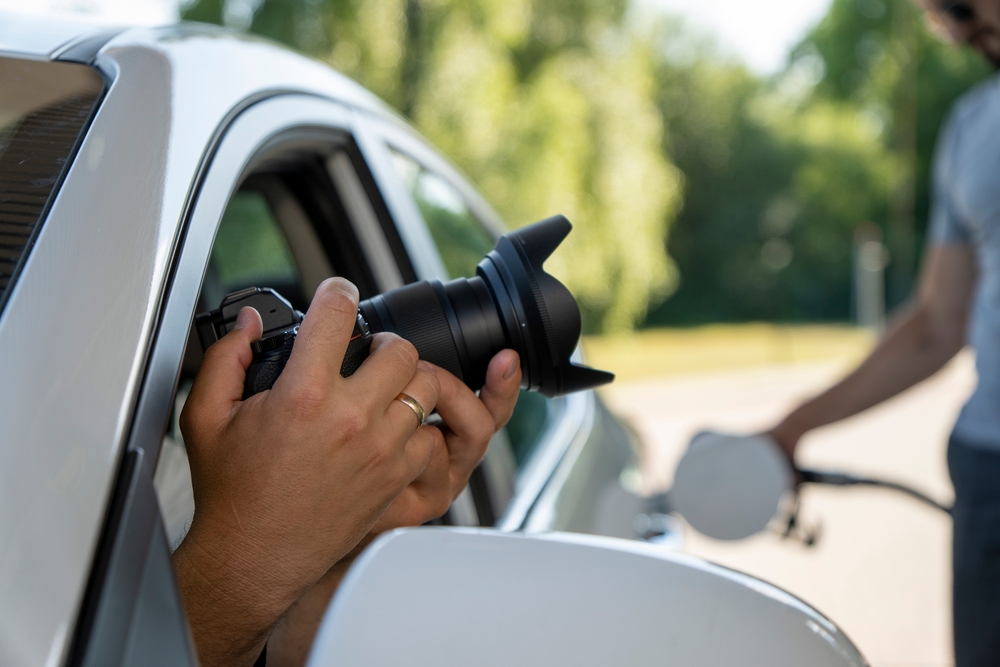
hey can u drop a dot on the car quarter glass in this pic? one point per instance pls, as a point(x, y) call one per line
point(44, 109)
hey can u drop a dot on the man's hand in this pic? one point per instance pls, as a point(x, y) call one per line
point(460, 444)
point(287, 482)
point(469, 424)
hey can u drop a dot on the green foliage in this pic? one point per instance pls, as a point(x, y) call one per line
point(613, 117)
point(880, 56)
point(778, 173)
point(772, 192)
point(548, 106)
point(250, 247)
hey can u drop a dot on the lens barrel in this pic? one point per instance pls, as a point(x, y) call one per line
point(510, 303)
point(459, 325)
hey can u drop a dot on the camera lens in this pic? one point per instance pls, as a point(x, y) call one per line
point(510, 303)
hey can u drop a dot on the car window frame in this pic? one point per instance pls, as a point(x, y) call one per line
point(404, 141)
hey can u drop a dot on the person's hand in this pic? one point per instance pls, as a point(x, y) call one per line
point(787, 436)
point(287, 482)
point(469, 422)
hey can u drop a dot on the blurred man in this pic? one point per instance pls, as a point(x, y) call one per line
point(293, 481)
point(957, 301)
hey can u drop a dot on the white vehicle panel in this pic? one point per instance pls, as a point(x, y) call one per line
point(460, 596)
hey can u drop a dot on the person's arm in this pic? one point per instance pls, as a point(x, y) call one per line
point(922, 339)
point(469, 423)
point(287, 482)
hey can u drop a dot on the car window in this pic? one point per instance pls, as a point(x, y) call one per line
point(270, 235)
point(460, 237)
point(250, 248)
point(44, 110)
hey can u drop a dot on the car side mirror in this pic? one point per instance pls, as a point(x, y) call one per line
point(459, 596)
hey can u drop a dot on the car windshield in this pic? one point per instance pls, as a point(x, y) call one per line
point(44, 109)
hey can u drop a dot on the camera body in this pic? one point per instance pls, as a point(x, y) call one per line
point(281, 326)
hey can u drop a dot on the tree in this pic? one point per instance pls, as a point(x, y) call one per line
point(881, 57)
point(772, 190)
point(779, 172)
point(548, 106)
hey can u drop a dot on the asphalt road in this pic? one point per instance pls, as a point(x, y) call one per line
point(881, 568)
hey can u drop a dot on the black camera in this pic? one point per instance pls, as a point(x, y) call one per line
point(459, 325)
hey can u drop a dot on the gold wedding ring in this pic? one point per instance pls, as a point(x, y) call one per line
point(412, 404)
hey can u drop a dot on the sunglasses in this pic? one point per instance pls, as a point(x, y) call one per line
point(959, 12)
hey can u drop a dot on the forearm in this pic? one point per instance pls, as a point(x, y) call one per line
point(292, 638)
point(230, 614)
point(911, 351)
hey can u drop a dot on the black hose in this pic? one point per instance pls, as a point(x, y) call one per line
point(810, 476)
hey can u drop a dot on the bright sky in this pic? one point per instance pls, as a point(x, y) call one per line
point(761, 32)
point(147, 12)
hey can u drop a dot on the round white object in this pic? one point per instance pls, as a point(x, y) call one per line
point(730, 486)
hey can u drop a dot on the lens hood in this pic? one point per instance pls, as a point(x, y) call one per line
point(539, 316)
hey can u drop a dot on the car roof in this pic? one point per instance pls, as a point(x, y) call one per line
point(44, 37)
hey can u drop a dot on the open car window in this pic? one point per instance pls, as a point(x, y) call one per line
point(250, 249)
point(286, 227)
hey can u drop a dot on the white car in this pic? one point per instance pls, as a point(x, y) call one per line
point(144, 174)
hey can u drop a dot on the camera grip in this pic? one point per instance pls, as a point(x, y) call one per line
point(271, 354)
point(267, 364)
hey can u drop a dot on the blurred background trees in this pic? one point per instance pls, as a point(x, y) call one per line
point(700, 192)
point(780, 172)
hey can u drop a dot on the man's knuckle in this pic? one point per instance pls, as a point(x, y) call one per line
point(431, 384)
point(406, 352)
point(335, 302)
point(356, 423)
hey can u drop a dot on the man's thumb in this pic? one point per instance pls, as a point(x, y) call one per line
point(219, 384)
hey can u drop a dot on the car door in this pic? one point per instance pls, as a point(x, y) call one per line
point(286, 200)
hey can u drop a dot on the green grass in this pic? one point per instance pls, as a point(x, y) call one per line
point(719, 347)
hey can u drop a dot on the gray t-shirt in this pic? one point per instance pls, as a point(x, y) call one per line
point(966, 210)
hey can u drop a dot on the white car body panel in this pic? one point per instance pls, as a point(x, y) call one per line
point(459, 596)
